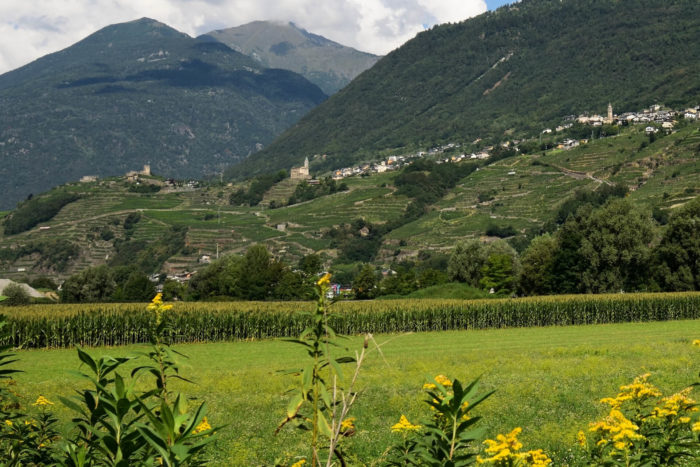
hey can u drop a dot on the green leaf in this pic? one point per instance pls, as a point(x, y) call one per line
point(294, 404)
point(323, 425)
point(86, 359)
point(307, 376)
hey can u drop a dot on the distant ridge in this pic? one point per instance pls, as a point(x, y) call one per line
point(329, 65)
point(139, 93)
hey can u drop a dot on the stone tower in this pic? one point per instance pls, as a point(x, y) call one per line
point(609, 120)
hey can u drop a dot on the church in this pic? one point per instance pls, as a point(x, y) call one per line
point(301, 173)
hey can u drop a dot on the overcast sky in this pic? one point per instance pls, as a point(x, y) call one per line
point(30, 29)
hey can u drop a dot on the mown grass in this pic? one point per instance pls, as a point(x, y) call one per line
point(548, 381)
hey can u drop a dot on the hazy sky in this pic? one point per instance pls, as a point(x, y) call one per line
point(32, 28)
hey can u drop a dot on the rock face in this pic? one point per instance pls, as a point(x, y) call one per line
point(139, 93)
point(325, 63)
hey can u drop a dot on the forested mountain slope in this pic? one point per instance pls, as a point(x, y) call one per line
point(139, 93)
point(503, 74)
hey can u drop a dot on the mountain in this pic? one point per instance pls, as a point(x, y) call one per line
point(502, 75)
point(327, 64)
point(139, 93)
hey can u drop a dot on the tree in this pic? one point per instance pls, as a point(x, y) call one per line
point(310, 264)
point(402, 283)
point(497, 273)
point(604, 250)
point(138, 287)
point(16, 295)
point(364, 285)
point(220, 278)
point(256, 277)
point(429, 277)
point(615, 248)
point(537, 266)
point(94, 284)
point(291, 286)
point(466, 262)
point(677, 258)
point(173, 290)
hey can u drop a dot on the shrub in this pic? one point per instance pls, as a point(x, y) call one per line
point(15, 295)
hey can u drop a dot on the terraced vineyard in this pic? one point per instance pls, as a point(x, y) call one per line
point(523, 191)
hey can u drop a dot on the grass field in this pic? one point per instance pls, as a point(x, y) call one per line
point(548, 381)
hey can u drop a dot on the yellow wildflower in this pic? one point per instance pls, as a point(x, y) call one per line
point(347, 424)
point(502, 443)
point(684, 419)
point(404, 426)
point(696, 342)
point(638, 390)
point(203, 426)
point(158, 306)
point(537, 458)
point(325, 280)
point(581, 438)
point(42, 401)
point(616, 428)
point(299, 463)
point(429, 386)
point(8, 422)
point(444, 380)
point(675, 404)
point(696, 427)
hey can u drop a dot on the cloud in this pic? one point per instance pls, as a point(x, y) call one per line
point(33, 28)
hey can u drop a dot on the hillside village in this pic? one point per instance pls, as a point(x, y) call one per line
point(656, 118)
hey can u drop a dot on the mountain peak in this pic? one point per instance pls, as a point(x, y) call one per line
point(136, 29)
point(286, 45)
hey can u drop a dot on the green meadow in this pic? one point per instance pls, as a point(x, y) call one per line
point(547, 380)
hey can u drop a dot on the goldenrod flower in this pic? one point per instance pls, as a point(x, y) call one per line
point(299, 463)
point(616, 428)
point(429, 386)
point(203, 426)
point(8, 422)
point(675, 404)
point(536, 458)
point(158, 306)
point(348, 424)
point(696, 342)
point(503, 443)
point(444, 380)
point(404, 426)
point(684, 419)
point(42, 401)
point(325, 280)
point(581, 438)
point(696, 427)
point(503, 448)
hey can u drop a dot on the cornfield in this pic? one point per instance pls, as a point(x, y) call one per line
point(52, 326)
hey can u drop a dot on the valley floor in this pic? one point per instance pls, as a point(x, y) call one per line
point(547, 380)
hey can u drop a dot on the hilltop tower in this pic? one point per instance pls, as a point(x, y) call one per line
point(609, 120)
